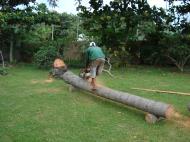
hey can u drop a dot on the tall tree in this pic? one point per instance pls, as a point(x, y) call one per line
point(12, 19)
point(115, 24)
point(14, 22)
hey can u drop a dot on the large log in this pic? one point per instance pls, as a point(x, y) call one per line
point(156, 108)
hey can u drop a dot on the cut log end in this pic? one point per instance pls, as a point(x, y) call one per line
point(171, 113)
point(150, 118)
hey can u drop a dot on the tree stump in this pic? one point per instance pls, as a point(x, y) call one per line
point(150, 118)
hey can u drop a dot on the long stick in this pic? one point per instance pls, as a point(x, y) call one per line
point(162, 91)
point(110, 66)
point(108, 72)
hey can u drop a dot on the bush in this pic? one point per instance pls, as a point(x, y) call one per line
point(75, 63)
point(45, 56)
point(3, 71)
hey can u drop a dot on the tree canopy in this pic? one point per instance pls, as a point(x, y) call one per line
point(130, 31)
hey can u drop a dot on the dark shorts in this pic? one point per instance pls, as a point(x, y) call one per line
point(96, 67)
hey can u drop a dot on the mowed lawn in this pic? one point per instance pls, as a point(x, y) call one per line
point(34, 109)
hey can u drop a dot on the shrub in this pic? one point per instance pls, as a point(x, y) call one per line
point(3, 71)
point(45, 56)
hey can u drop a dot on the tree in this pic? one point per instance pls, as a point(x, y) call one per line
point(176, 49)
point(13, 20)
point(115, 25)
point(12, 25)
point(11, 4)
point(173, 40)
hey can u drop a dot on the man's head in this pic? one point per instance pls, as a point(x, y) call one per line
point(92, 44)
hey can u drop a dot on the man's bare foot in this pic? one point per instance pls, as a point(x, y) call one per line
point(93, 88)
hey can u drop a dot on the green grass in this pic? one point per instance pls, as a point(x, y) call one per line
point(32, 110)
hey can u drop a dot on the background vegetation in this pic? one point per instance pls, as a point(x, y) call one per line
point(130, 32)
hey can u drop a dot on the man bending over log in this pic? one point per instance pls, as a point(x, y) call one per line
point(95, 60)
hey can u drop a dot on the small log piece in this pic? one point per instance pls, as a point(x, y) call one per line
point(150, 118)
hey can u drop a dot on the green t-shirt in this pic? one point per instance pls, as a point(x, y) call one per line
point(94, 52)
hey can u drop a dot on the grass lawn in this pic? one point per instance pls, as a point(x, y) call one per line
point(35, 110)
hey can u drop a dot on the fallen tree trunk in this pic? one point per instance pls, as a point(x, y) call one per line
point(158, 109)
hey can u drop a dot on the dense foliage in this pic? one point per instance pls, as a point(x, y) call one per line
point(24, 31)
point(134, 32)
point(45, 56)
point(3, 71)
point(130, 31)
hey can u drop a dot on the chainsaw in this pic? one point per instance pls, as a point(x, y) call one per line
point(85, 73)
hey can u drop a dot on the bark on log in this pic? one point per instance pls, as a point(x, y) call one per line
point(153, 107)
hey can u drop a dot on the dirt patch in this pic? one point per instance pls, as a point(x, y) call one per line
point(35, 81)
point(53, 90)
point(49, 80)
point(180, 119)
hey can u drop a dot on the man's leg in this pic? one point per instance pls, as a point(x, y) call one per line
point(93, 83)
point(93, 76)
point(100, 66)
point(93, 69)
